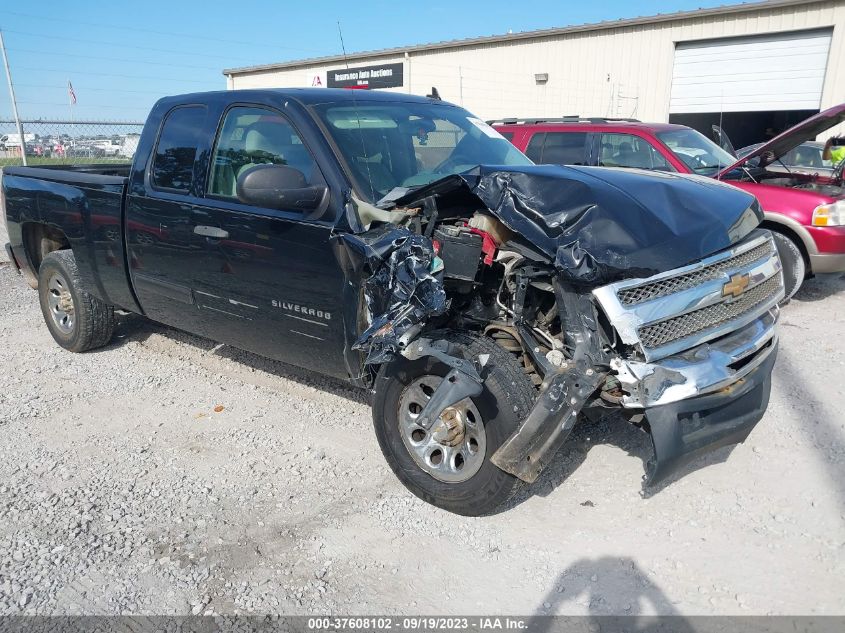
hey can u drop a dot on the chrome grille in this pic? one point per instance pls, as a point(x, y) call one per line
point(680, 327)
point(665, 287)
point(682, 308)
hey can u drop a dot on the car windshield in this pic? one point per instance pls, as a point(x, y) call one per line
point(807, 156)
point(406, 145)
point(696, 151)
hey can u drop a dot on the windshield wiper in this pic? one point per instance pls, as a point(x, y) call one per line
point(386, 201)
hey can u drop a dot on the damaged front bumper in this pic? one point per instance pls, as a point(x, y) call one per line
point(704, 369)
point(709, 397)
point(706, 336)
point(686, 429)
point(706, 398)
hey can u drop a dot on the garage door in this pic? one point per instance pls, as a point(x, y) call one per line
point(748, 74)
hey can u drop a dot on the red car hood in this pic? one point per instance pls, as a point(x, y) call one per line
point(807, 130)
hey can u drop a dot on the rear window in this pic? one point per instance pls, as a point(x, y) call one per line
point(534, 151)
point(565, 148)
point(173, 165)
point(558, 148)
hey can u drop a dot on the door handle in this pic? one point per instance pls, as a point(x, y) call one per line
point(214, 232)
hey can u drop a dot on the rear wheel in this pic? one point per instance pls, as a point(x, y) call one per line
point(449, 464)
point(77, 321)
point(792, 260)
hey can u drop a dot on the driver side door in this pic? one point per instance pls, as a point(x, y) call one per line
point(271, 283)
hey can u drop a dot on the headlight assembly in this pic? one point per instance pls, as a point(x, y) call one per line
point(829, 214)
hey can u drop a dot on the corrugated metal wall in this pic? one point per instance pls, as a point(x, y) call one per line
point(624, 72)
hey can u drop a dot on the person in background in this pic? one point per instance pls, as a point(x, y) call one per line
point(834, 150)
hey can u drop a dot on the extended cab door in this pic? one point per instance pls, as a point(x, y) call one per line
point(165, 256)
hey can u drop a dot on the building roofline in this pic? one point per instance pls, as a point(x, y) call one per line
point(525, 35)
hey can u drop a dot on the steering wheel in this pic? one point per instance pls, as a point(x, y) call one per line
point(700, 161)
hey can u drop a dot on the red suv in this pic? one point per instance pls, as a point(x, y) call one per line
point(806, 212)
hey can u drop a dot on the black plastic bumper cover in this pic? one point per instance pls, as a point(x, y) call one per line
point(685, 430)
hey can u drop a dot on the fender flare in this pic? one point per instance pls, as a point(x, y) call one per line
point(807, 241)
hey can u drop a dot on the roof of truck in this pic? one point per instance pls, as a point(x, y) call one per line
point(309, 96)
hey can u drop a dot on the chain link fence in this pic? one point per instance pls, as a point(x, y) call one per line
point(63, 142)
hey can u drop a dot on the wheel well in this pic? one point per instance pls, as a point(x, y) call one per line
point(785, 230)
point(39, 240)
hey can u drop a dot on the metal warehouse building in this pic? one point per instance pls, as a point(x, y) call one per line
point(760, 67)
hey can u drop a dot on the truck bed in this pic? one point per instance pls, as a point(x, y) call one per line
point(86, 204)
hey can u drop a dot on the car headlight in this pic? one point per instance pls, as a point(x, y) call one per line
point(829, 214)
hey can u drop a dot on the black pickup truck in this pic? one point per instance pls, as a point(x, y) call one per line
point(402, 244)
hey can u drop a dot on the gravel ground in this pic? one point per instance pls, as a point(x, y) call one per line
point(165, 474)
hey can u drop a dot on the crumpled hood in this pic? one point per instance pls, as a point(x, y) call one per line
point(599, 225)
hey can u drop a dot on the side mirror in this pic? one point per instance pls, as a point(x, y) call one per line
point(278, 187)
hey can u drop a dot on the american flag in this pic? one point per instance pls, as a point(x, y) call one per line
point(71, 93)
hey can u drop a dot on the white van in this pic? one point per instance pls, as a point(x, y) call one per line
point(130, 144)
point(14, 140)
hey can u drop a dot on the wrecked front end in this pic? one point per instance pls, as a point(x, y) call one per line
point(655, 296)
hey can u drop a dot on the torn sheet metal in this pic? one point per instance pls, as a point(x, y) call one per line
point(602, 225)
point(400, 290)
point(531, 447)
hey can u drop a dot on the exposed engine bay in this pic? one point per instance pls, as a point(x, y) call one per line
point(522, 255)
point(801, 181)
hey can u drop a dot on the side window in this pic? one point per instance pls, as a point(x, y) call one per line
point(255, 136)
point(628, 150)
point(534, 151)
point(565, 148)
point(173, 166)
point(507, 135)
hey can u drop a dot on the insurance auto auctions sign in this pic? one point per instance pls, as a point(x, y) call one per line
point(370, 77)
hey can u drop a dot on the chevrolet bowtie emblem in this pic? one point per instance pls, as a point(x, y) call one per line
point(736, 286)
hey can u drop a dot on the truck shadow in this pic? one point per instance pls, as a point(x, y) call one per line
point(132, 327)
point(820, 288)
point(821, 429)
point(616, 593)
point(611, 430)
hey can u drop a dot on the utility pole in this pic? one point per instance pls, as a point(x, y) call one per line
point(12, 96)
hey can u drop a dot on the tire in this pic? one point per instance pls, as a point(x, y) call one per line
point(503, 404)
point(77, 321)
point(794, 265)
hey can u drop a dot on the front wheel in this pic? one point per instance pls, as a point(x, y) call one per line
point(449, 464)
point(77, 321)
point(792, 260)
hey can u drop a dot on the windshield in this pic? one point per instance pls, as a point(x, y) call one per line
point(696, 151)
point(390, 145)
point(807, 156)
